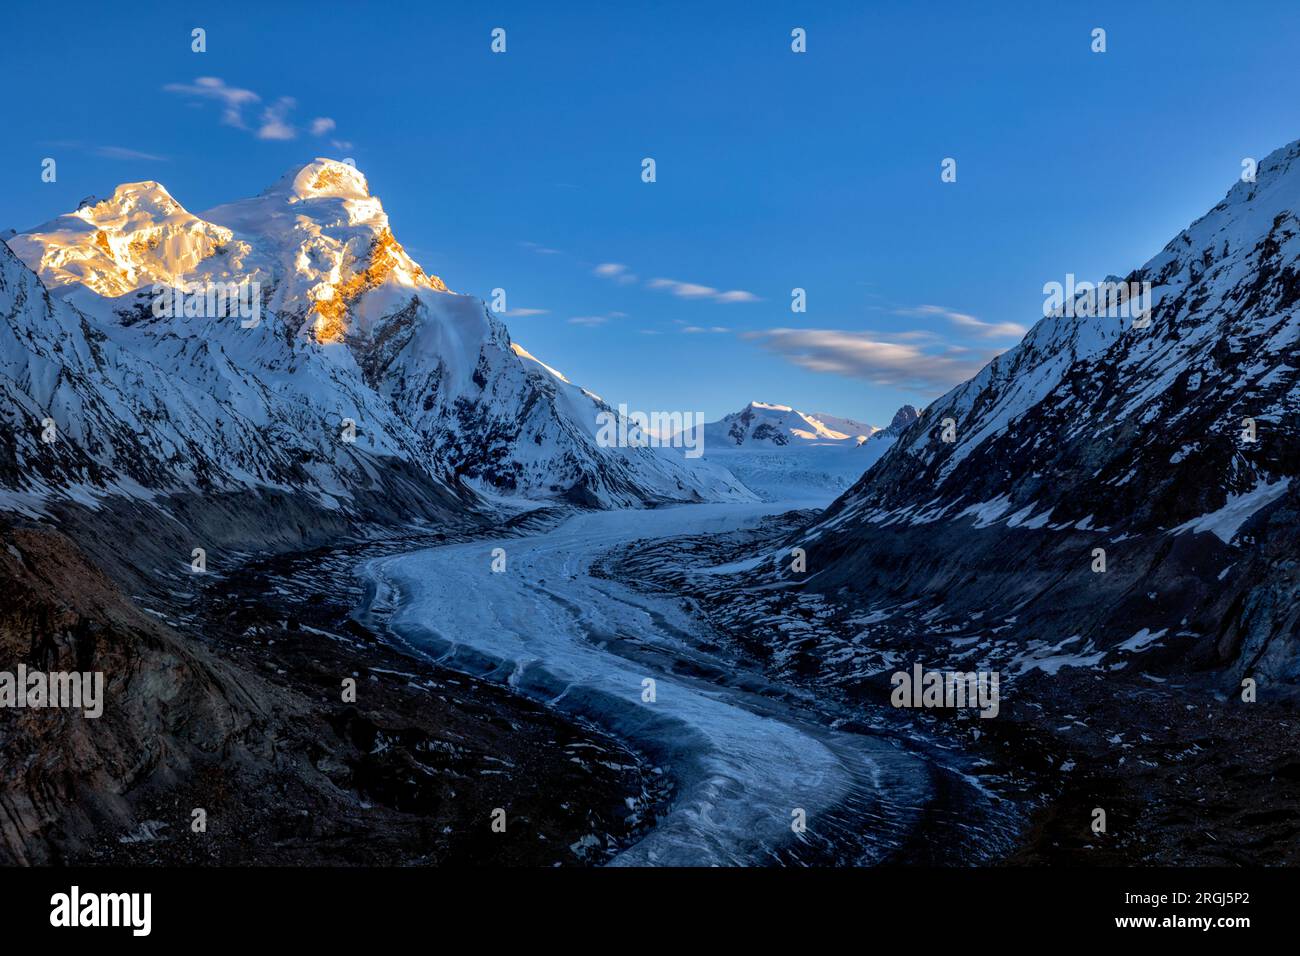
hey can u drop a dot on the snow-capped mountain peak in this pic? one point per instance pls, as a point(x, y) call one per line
point(348, 331)
point(316, 239)
point(138, 237)
point(766, 423)
point(322, 179)
point(327, 245)
point(782, 453)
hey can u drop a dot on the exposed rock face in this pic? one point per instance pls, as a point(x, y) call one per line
point(64, 777)
point(901, 420)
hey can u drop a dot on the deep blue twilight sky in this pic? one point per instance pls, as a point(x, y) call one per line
point(775, 170)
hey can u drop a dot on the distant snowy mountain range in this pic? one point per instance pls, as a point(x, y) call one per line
point(781, 425)
point(781, 453)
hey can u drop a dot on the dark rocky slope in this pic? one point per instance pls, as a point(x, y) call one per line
point(1098, 432)
point(225, 695)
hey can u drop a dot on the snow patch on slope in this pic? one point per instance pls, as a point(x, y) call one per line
point(1227, 521)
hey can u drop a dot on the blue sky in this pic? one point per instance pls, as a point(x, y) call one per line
point(775, 170)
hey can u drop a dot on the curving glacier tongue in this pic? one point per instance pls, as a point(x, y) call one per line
point(746, 756)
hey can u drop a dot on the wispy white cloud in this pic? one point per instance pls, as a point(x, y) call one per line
point(274, 120)
point(121, 152)
point(623, 275)
point(107, 152)
point(694, 290)
point(736, 295)
point(540, 249)
point(698, 329)
point(686, 290)
point(615, 271)
point(593, 320)
point(874, 357)
point(987, 330)
point(232, 98)
point(524, 313)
